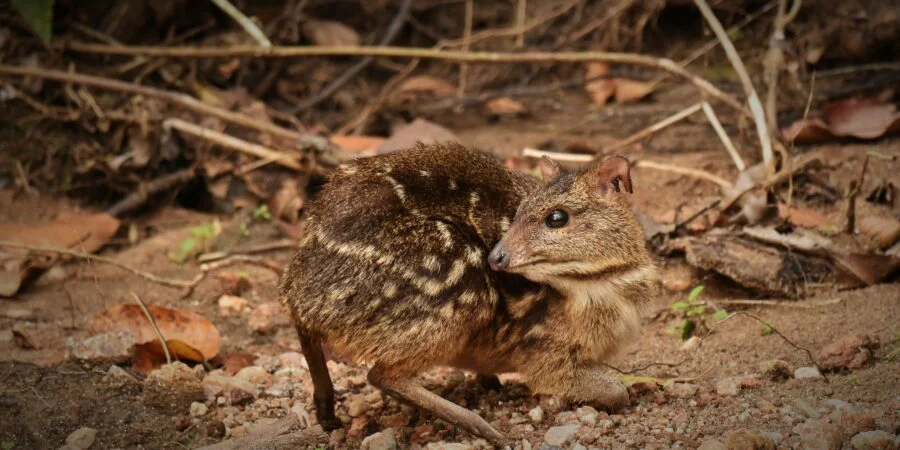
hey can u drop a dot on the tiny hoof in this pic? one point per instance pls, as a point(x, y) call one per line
point(329, 423)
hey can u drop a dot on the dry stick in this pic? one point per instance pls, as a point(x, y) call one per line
point(144, 192)
point(774, 303)
point(723, 136)
point(752, 97)
point(244, 22)
point(775, 59)
point(467, 37)
point(855, 187)
point(520, 22)
point(582, 158)
point(159, 334)
point(412, 52)
point(512, 31)
point(656, 127)
point(176, 98)
point(355, 69)
point(774, 330)
point(234, 143)
point(590, 27)
point(91, 257)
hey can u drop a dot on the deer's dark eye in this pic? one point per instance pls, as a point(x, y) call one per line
point(556, 219)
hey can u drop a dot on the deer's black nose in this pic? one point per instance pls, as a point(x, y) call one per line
point(498, 258)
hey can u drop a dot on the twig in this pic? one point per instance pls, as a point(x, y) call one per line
point(655, 128)
point(88, 256)
point(358, 123)
point(723, 136)
point(855, 187)
point(283, 434)
point(249, 259)
point(775, 58)
point(234, 143)
point(355, 69)
point(582, 158)
point(597, 23)
point(542, 18)
point(244, 22)
point(467, 38)
point(850, 70)
point(162, 340)
point(520, 22)
point(756, 107)
point(176, 98)
point(265, 247)
point(774, 330)
point(145, 191)
point(412, 52)
point(775, 303)
point(697, 214)
point(696, 173)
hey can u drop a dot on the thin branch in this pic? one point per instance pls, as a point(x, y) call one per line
point(88, 256)
point(185, 101)
point(467, 38)
point(655, 128)
point(244, 22)
point(582, 158)
point(775, 303)
point(774, 330)
point(723, 136)
point(234, 143)
point(355, 69)
point(145, 191)
point(162, 340)
point(774, 59)
point(412, 52)
point(520, 22)
point(756, 107)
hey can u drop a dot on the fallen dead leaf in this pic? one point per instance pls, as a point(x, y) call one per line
point(504, 106)
point(802, 217)
point(869, 269)
point(85, 232)
point(883, 194)
point(427, 84)
point(600, 90)
point(358, 144)
point(329, 33)
point(628, 91)
point(883, 230)
point(188, 334)
point(287, 201)
point(420, 130)
point(858, 118)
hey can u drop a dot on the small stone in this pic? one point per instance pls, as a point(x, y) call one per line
point(268, 317)
point(807, 373)
point(775, 369)
point(848, 352)
point(255, 375)
point(119, 377)
point(873, 440)
point(383, 440)
point(692, 343)
point(775, 436)
point(728, 387)
point(81, 438)
point(681, 390)
point(560, 435)
point(712, 444)
point(605, 424)
point(578, 446)
point(292, 359)
point(449, 446)
point(356, 405)
point(357, 427)
point(198, 409)
point(232, 306)
point(536, 414)
point(173, 387)
point(115, 347)
point(237, 390)
point(279, 390)
point(744, 439)
point(587, 415)
point(818, 434)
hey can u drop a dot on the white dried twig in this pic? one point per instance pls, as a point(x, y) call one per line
point(244, 22)
point(723, 136)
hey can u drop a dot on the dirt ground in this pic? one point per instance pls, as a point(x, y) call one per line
point(44, 396)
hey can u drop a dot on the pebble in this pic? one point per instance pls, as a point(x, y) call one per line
point(173, 387)
point(237, 390)
point(292, 359)
point(728, 387)
point(279, 390)
point(356, 405)
point(232, 306)
point(268, 317)
point(692, 343)
point(775, 369)
point(115, 347)
point(119, 377)
point(536, 414)
point(712, 444)
point(807, 373)
point(818, 434)
point(681, 390)
point(449, 446)
point(198, 409)
point(605, 424)
point(255, 375)
point(872, 440)
point(587, 415)
point(382, 440)
point(848, 352)
point(81, 439)
point(560, 435)
point(745, 439)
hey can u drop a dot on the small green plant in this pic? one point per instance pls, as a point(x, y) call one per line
point(201, 237)
point(38, 14)
point(8, 445)
point(262, 214)
point(767, 329)
point(695, 314)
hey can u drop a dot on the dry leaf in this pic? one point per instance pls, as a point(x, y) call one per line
point(883, 230)
point(287, 202)
point(188, 334)
point(358, 144)
point(427, 84)
point(503, 106)
point(420, 130)
point(858, 118)
point(85, 232)
point(329, 33)
point(869, 269)
point(599, 90)
point(628, 91)
point(802, 217)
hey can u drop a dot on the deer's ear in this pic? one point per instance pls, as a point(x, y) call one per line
point(611, 175)
point(549, 169)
